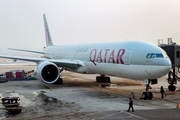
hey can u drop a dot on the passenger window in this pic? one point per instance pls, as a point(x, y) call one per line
point(159, 55)
point(148, 55)
point(152, 55)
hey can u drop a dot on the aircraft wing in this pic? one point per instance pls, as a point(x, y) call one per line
point(26, 50)
point(60, 63)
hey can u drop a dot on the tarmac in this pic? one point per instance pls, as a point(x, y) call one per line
point(81, 98)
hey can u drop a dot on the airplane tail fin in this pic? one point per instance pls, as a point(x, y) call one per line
point(47, 33)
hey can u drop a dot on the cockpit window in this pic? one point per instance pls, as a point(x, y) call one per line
point(156, 55)
point(148, 55)
point(159, 55)
point(165, 55)
point(152, 55)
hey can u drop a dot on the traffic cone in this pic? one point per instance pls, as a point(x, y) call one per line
point(50, 89)
point(177, 106)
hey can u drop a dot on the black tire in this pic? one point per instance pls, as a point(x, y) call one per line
point(171, 88)
point(100, 79)
point(103, 79)
point(97, 79)
point(59, 81)
point(109, 80)
point(144, 95)
point(19, 111)
point(150, 96)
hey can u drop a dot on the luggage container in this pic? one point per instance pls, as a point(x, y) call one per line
point(18, 75)
point(9, 75)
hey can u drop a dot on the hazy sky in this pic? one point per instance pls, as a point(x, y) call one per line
point(74, 21)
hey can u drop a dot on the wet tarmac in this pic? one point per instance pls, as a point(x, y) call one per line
point(81, 98)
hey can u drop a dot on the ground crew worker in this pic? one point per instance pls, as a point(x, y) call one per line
point(130, 105)
point(162, 92)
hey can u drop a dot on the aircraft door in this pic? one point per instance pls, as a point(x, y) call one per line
point(127, 57)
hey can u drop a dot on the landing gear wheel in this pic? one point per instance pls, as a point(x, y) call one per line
point(172, 88)
point(59, 81)
point(145, 95)
point(103, 79)
point(150, 96)
point(107, 79)
point(98, 79)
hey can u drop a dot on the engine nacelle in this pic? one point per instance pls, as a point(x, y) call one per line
point(47, 72)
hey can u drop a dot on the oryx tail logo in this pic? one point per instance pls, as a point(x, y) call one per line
point(47, 33)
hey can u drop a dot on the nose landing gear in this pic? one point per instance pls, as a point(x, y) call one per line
point(147, 95)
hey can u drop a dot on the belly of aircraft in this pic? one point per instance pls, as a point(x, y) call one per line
point(137, 72)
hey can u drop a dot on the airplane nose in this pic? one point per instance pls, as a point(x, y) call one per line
point(165, 65)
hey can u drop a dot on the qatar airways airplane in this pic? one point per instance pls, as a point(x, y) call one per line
point(136, 60)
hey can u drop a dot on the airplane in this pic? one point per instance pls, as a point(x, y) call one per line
point(134, 59)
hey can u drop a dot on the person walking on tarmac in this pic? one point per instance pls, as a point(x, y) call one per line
point(162, 92)
point(130, 105)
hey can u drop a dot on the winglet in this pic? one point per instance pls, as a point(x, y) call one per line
point(47, 33)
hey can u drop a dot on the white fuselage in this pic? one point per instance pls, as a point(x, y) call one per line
point(126, 59)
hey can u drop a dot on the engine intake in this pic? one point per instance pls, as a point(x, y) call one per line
point(47, 72)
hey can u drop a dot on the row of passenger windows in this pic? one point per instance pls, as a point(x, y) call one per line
point(154, 55)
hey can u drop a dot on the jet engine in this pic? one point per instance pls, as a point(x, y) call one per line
point(47, 72)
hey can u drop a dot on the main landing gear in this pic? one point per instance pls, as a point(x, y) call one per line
point(103, 79)
point(60, 80)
